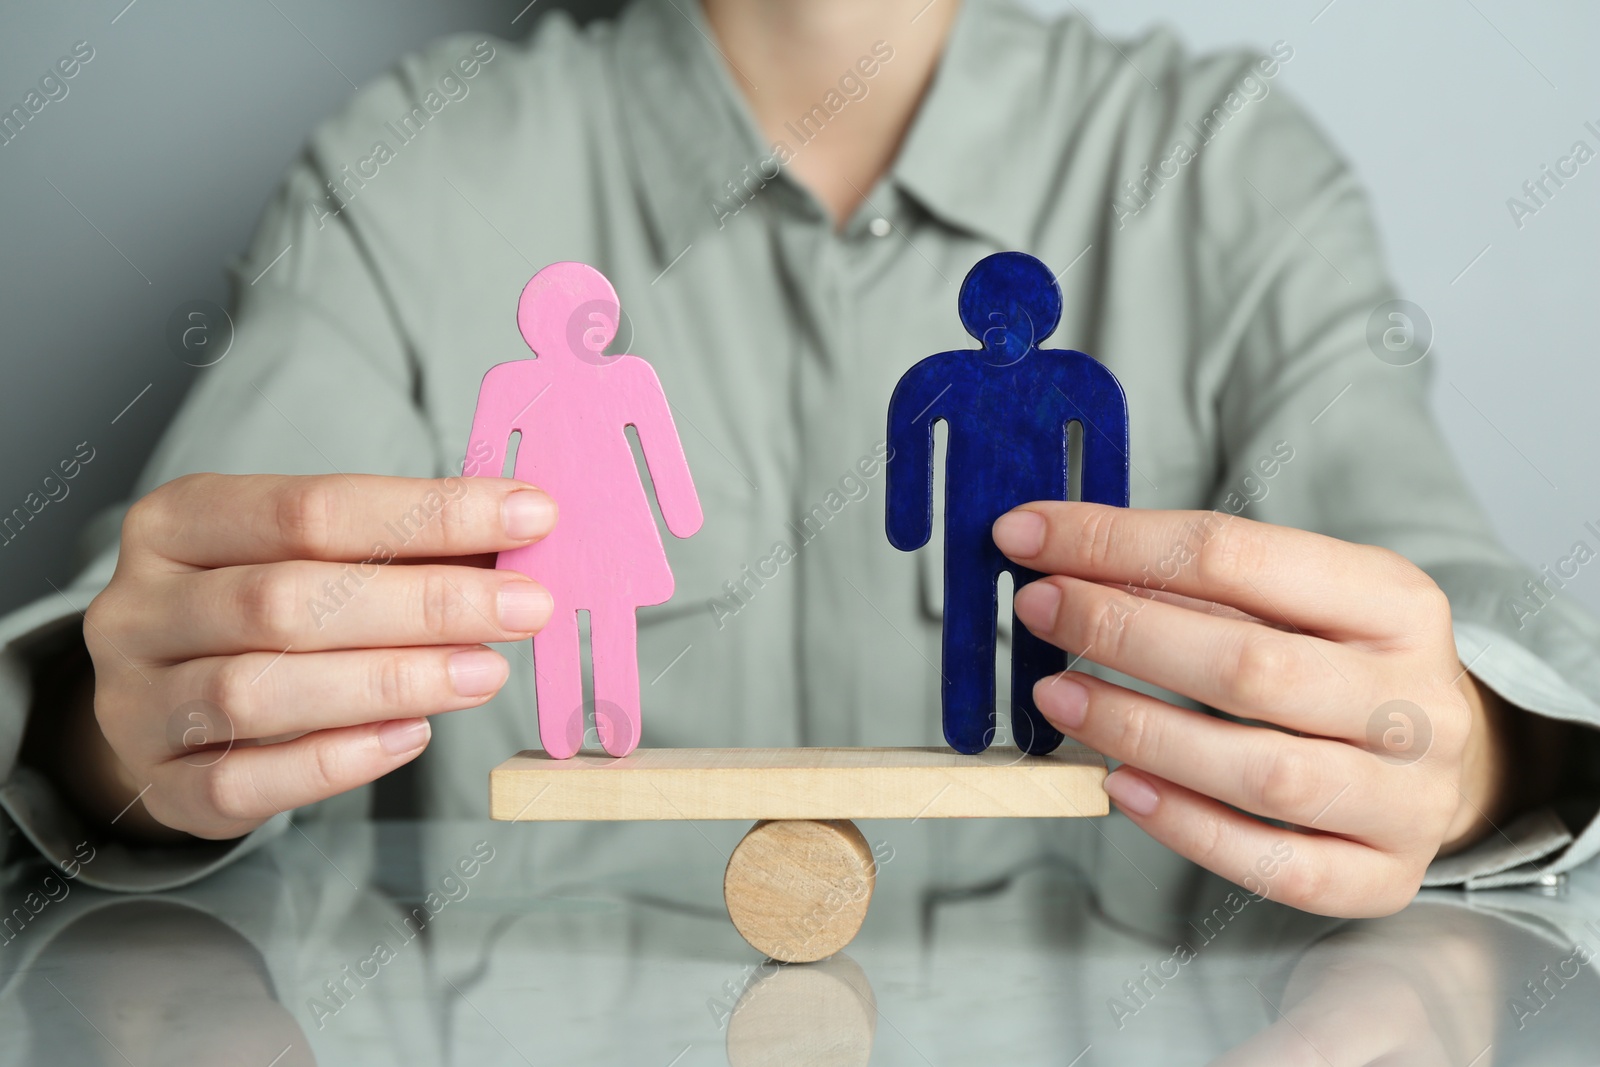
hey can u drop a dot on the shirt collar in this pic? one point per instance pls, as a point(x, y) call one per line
point(975, 156)
point(980, 155)
point(688, 125)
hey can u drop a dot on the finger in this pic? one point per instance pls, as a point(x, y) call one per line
point(1323, 785)
point(263, 695)
point(1397, 1026)
point(1295, 680)
point(216, 520)
point(247, 785)
point(310, 607)
point(1322, 874)
point(1320, 1035)
point(1204, 607)
point(1316, 583)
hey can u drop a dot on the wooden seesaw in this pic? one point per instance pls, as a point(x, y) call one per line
point(798, 884)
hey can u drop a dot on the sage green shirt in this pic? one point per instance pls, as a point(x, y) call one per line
point(1214, 251)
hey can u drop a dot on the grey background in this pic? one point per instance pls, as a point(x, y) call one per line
point(171, 139)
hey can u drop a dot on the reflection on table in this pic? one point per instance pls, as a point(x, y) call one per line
point(478, 943)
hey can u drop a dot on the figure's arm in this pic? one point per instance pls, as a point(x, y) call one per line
point(913, 409)
point(491, 424)
point(649, 414)
point(1100, 405)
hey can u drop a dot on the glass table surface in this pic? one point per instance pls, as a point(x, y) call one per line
point(484, 943)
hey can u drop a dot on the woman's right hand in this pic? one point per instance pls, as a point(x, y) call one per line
point(257, 651)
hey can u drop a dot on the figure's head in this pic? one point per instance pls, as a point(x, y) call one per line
point(1010, 302)
point(569, 309)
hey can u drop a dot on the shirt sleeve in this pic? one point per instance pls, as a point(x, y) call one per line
point(319, 379)
point(1304, 370)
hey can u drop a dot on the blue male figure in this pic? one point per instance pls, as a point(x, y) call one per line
point(1008, 406)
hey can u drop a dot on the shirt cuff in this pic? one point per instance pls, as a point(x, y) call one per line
point(1539, 845)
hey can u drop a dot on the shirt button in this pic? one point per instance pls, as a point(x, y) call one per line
point(879, 227)
point(1552, 885)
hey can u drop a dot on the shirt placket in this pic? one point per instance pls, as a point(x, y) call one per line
point(823, 414)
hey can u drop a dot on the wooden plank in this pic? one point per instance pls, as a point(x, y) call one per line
point(799, 783)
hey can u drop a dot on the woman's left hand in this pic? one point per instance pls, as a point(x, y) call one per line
point(1362, 731)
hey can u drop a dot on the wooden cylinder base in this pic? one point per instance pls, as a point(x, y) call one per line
point(798, 889)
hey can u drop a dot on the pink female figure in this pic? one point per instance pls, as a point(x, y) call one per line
point(572, 405)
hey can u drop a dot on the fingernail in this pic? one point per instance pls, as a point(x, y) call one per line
point(1019, 533)
point(1131, 791)
point(524, 607)
point(399, 736)
point(477, 672)
point(1063, 701)
point(527, 514)
point(1036, 605)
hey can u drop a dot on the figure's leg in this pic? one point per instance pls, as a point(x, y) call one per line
point(1031, 659)
point(558, 682)
point(970, 603)
point(614, 639)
